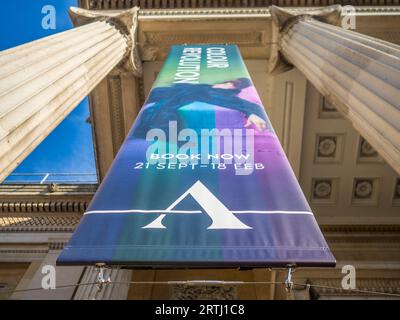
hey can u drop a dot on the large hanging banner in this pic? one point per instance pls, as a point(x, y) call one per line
point(201, 179)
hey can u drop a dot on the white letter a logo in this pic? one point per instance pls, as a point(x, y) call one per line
point(221, 217)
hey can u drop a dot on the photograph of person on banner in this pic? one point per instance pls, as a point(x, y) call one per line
point(164, 102)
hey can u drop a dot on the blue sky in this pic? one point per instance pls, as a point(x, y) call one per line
point(69, 148)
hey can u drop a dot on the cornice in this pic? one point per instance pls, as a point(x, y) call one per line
point(220, 10)
point(247, 13)
point(365, 228)
point(27, 223)
point(145, 14)
point(28, 253)
point(16, 251)
point(21, 206)
point(38, 208)
point(216, 4)
point(7, 190)
point(370, 242)
point(57, 245)
point(259, 12)
point(362, 235)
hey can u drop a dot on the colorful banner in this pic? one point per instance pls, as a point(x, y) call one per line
point(201, 179)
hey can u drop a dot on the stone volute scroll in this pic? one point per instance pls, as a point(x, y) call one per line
point(126, 23)
point(283, 20)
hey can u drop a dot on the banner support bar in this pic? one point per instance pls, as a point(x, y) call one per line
point(100, 280)
point(288, 281)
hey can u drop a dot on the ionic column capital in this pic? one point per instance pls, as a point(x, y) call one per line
point(283, 20)
point(126, 23)
point(358, 74)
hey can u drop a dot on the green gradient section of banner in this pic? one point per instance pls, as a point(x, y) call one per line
point(207, 75)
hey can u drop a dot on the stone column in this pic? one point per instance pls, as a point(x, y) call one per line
point(358, 74)
point(41, 82)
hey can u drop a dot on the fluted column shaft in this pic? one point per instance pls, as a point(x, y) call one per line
point(41, 82)
point(360, 75)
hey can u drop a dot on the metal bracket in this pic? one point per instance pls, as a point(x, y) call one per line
point(288, 281)
point(101, 281)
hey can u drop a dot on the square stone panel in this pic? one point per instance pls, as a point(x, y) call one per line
point(329, 148)
point(327, 110)
point(366, 153)
point(324, 191)
point(365, 191)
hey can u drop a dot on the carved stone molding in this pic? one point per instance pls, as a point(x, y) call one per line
point(362, 238)
point(220, 8)
point(35, 249)
point(166, 38)
point(200, 292)
point(370, 228)
point(257, 14)
point(43, 206)
point(250, 28)
point(57, 245)
point(33, 208)
point(8, 191)
point(22, 223)
point(173, 4)
point(16, 251)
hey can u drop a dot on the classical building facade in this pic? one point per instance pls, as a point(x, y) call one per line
point(332, 95)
